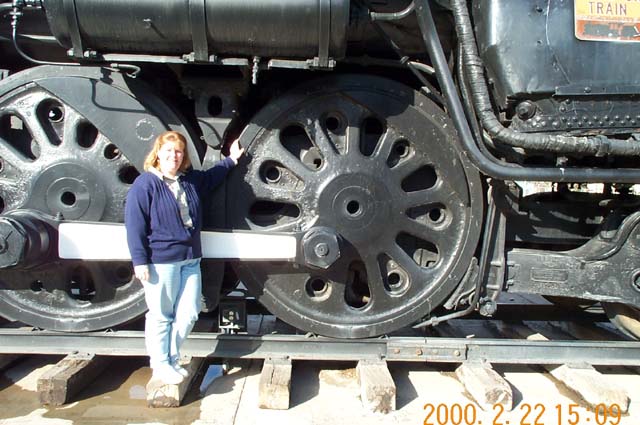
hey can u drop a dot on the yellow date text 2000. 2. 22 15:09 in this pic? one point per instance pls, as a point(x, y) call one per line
point(524, 414)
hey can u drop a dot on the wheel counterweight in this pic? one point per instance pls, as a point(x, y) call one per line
point(377, 165)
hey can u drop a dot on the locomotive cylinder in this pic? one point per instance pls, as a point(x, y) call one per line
point(271, 28)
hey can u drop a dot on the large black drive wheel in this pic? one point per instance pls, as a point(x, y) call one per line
point(379, 165)
point(55, 158)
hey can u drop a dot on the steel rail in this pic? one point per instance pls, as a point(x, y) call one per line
point(304, 347)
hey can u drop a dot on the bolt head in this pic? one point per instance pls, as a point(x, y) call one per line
point(12, 244)
point(322, 249)
point(525, 110)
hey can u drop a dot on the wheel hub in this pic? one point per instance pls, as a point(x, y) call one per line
point(70, 189)
point(355, 203)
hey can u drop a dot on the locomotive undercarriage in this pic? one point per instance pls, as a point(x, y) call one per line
point(400, 227)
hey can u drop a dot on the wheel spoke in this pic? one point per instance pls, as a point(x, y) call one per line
point(385, 145)
point(423, 197)
point(288, 160)
point(10, 155)
point(406, 263)
point(439, 194)
point(405, 168)
point(39, 134)
point(422, 231)
point(263, 191)
point(354, 115)
point(380, 298)
point(323, 141)
point(72, 122)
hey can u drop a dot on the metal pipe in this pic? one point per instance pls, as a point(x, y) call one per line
point(15, 17)
point(490, 165)
point(375, 16)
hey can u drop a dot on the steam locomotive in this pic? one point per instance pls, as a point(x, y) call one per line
point(421, 157)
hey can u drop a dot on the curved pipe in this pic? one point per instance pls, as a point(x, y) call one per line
point(375, 16)
point(489, 165)
point(16, 14)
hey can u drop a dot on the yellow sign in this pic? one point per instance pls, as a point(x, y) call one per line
point(615, 20)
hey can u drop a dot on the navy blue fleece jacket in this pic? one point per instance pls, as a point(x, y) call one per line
point(155, 232)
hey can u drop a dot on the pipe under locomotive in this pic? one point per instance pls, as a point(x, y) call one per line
point(425, 156)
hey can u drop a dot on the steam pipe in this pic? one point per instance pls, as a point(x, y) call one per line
point(375, 16)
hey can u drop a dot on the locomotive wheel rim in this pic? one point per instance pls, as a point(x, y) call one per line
point(55, 161)
point(314, 158)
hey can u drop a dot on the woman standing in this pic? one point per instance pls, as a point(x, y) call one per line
point(163, 218)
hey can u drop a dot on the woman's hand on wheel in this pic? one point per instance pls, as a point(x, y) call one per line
point(142, 272)
point(235, 150)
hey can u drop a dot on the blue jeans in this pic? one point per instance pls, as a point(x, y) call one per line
point(173, 296)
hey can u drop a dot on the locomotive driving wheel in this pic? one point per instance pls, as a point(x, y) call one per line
point(375, 167)
point(55, 160)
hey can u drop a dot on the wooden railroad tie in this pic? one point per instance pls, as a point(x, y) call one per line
point(70, 375)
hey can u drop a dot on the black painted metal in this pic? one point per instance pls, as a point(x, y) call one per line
point(321, 247)
point(70, 142)
point(377, 163)
point(26, 239)
point(71, 17)
point(300, 347)
point(530, 49)
point(308, 28)
point(198, 19)
point(612, 114)
point(604, 269)
point(488, 164)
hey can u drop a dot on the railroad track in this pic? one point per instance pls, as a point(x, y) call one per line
point(479, 350)
point(443, 348)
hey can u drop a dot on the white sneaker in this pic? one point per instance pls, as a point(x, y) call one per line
point(182, 371)
point(167, 374)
